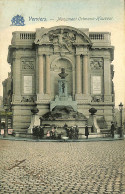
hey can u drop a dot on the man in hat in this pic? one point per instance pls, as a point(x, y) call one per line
point(86, 131)
point(112, 129)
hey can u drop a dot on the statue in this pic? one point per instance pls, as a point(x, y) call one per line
point(60, 39)
point(62, 74)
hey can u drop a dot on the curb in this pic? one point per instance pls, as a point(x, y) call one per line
point(72, 140)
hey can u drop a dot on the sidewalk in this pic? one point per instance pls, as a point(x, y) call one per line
point(12, 138)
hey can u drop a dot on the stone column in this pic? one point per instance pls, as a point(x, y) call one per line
point(41, 74)
point(16, 78)
point(85, 74)
point(47, 74)
point(107, 77)
point(78, 75)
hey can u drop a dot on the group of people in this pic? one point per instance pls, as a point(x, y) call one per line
point(92, 130)
point(52, 134)
point(72, 132)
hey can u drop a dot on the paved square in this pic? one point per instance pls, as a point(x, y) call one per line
point(62, 167)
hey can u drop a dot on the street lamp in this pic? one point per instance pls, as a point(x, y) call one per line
point(120, 109)
point(6, 121)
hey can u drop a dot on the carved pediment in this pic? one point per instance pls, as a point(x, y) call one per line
point(63, 37)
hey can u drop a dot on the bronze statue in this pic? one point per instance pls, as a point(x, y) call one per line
point(62, 74)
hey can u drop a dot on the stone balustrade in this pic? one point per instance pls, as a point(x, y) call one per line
point(22, 38)
point(27, 36)
point(96, 36)
point(100, 38)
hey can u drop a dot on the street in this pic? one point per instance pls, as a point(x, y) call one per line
point(62, 167)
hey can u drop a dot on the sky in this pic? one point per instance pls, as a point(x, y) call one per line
point(77, 13)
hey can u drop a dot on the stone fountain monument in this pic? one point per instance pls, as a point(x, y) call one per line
point(63, 110)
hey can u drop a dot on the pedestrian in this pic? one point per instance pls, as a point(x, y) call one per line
point(92, 129)
point(112, 129)
point(76, 131)
point(73, 132)
point(41, 132)
point(86, 131)
point(70, 133)
point(65, 126)
point(53, 133)
point(55, 128)
point(67, 129)
point(48, 135)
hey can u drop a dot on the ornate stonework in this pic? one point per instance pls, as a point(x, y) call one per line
point(28, 99)
point(96, 63)
point(28, 63)
point(97, 99)
point(64, 39)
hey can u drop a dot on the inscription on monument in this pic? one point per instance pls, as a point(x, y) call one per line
point(27, 84)
point(96, 84)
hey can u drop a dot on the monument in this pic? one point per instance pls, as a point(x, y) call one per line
point(63, 99)
point(63, 111)
point(36, 60)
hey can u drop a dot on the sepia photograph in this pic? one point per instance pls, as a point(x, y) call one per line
point(62, 96)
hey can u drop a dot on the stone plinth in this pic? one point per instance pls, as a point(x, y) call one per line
point(41, 98)
point(62, 87)
point(63, 101)
point(35, 121)
point(93, 122)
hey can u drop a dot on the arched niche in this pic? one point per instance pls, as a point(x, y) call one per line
point(56, 66)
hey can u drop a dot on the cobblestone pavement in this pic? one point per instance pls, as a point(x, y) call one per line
point(62, 167)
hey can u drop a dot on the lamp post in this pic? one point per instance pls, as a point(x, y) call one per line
point(120, 109)
point(6, 121)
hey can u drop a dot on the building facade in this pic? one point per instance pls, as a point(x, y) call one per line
point(36, 59)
